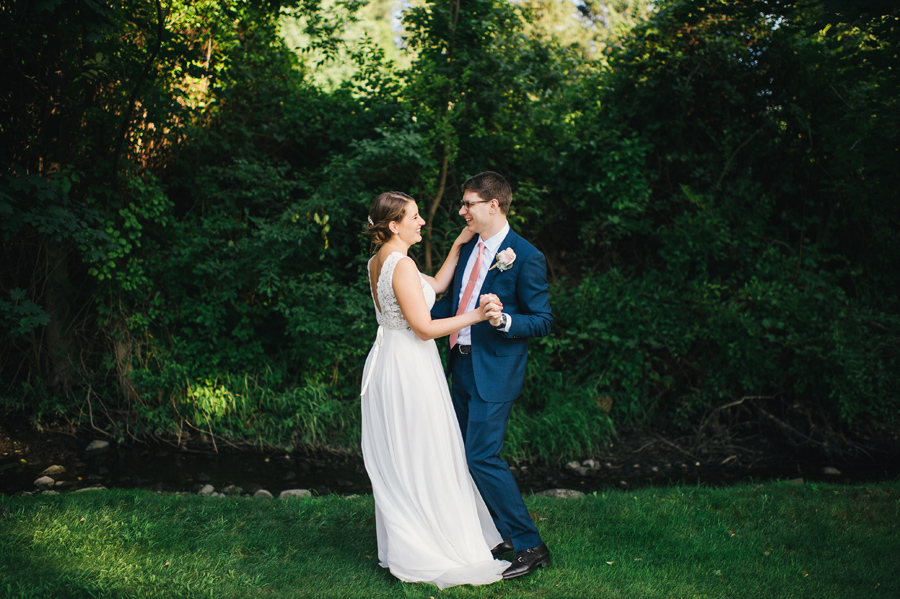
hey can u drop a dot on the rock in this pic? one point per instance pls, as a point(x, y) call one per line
point(796, 481)
point(590, 464)
point(53, 470)
point(51, 492)
point(294, 493)
point(44, 483)
point(831, 471)
point(262, 493)
point(206, 491)
point(560, 493)
point(93, 488)
point(251, 488)
point(97, 446)
point(577, 468)
point(231, 490)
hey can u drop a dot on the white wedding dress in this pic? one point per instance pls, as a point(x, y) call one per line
point(431, 522)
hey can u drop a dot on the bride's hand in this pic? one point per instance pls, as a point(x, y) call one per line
point(488, 298)
point(491, 308)
point(464, 236)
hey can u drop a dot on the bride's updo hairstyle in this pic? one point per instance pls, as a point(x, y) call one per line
point(388, 207)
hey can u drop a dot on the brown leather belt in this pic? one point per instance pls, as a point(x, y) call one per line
point(464, 349)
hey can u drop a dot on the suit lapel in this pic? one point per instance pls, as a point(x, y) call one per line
point(508, 241)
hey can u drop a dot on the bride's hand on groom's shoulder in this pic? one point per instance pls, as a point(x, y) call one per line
point(464, 236)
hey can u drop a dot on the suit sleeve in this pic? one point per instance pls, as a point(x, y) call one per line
point(443, 307)
point(534, 318)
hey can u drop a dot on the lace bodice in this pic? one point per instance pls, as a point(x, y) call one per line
point(390, 316)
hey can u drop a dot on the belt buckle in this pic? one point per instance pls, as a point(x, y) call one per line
point(465, 349)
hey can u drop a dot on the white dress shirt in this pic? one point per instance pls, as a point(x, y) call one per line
point(491, 247)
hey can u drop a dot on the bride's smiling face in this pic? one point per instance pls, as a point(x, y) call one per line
point(409, 228)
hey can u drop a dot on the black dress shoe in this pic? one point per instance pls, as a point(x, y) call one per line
point(527, 561)
point(504, 547)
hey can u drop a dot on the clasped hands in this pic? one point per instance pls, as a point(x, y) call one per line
point(492, 308)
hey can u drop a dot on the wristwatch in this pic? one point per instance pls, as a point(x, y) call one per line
point(503, 320)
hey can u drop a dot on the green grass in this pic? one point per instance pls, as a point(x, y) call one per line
point(769, 540)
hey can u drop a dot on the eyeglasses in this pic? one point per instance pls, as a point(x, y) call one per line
point(468, 205)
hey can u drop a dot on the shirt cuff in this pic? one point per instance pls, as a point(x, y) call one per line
point(508, 323)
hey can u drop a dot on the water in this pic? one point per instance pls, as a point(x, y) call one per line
point(25, 454)
point(163, 468)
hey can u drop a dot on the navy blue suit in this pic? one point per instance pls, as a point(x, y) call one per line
point(485, 383)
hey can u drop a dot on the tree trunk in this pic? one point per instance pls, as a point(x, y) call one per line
point(60, 377)
point(432, 210)
point(124, 349)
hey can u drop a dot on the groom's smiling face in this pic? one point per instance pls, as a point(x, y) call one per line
point(477, 212)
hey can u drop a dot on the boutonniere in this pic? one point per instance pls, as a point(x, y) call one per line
point(504, 259)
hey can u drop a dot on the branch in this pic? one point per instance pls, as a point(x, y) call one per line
point(432, 210)
point(733, 154)
point(687, 453)
point(132, 100)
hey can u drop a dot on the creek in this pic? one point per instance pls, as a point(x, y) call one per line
point(26, 453)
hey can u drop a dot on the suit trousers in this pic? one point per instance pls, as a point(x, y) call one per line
point(483, 425)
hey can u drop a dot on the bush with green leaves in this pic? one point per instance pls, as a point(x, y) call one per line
point(182, 213)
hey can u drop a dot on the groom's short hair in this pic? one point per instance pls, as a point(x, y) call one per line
point(490, 185)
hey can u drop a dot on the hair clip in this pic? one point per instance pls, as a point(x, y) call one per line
point(370, 221)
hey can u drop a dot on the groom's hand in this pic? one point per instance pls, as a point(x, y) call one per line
point(493, 308)
point(488, 298)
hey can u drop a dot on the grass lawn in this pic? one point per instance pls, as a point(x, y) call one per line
point(768, 540)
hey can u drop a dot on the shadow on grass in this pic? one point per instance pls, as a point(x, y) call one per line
point(25, 575)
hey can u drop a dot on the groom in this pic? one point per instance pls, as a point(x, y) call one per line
point(487, 360)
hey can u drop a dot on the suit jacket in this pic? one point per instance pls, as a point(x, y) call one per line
point(498, 357)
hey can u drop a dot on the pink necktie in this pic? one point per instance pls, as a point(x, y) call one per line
point(467, 294)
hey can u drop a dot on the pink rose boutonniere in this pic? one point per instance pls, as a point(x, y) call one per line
point(505, 259)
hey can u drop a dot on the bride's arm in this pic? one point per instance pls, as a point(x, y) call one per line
point(441, 281)
point(408, 289)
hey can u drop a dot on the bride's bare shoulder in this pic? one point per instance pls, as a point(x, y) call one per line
point(406, 269)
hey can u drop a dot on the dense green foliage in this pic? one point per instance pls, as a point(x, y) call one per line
point(764, 541)
point(716, 194)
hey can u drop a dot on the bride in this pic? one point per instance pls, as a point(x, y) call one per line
point(432, 524)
